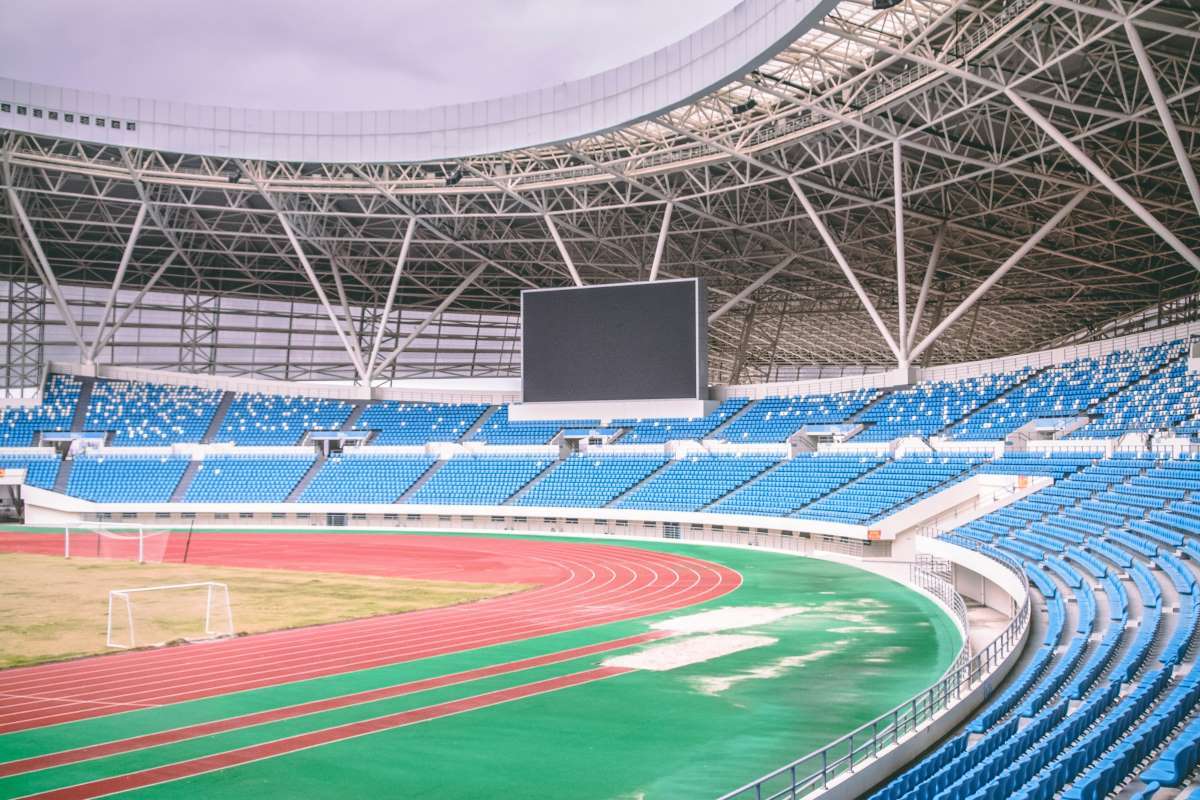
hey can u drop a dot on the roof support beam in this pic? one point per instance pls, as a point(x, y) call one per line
point(750, 289)
point(316, 284)
point(901, 270)
point(391, 296)
point(102, 342)
point(1000, 272)
point(1131, 202)
point(836, 251)
point(437, 312)
point(562, 249)
point(1164, 112)
point(341, 291)
point(117, 280)
point(926, 282)
point(662, 241)
point(41, 264)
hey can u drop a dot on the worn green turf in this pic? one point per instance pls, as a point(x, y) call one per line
point(863, 645)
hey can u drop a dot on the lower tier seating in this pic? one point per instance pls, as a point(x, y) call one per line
point(1108, 704)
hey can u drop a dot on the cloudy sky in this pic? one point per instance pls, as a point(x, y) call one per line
point(333, 54)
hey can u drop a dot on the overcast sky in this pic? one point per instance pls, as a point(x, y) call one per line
point(333, 54)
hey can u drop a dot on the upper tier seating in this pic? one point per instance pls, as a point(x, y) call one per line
point(1060, 391)
point(125, 478)
point(363, 477)
point(257, 478)
point(478, 480)
point(417, 423)
point(796, 483)
point(694, 481)
point(926, 408)
point(141, 413)
point(1157, 402)
point(893, 486)
point(270, 419)
point(498, 429)
point(656, 431)
point(41, 468)
point(774, 419)
point(20, 425)
point(583, 481)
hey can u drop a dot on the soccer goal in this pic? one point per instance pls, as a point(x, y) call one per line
point(155, 615)
point(119, 541)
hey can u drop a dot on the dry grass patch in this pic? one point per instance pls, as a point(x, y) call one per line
point(53, 608)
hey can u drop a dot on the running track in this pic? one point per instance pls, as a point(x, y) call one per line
point(577, 585)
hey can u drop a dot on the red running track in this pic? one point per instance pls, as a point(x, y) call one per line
point(579, 584)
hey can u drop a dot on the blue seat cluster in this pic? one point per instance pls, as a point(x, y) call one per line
point(499, 429)
point(364, 477)
point(267, 478)
point(694, 481)
point(271, 419)
point(140, 413)
point(796, 483)
point(583, 481)
point(926, 408)
point(1060, 391)
point(1116, 524)
point(41, 469)
point(1050, 465)
point(1159, 401)
point(892, 486)
point(774, 419)
point(478, 480)
point(116, 477)
point(657, 431)
point(397, 422)
point(20, 425)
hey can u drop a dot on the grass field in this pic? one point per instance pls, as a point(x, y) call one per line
point(52, 608)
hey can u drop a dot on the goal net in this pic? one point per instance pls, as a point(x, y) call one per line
point(123, 542)
point(155, 615)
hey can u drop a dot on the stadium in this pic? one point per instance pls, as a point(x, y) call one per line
point(809, 408)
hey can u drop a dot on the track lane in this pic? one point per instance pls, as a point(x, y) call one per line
point(593, 584)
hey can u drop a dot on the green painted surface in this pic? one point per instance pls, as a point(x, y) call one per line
point(862, 645)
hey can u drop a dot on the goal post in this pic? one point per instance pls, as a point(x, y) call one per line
point(118, 541)
point(149, 616)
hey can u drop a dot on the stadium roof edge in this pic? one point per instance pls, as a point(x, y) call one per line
point(729, 47)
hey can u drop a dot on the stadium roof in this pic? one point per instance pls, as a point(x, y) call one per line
point(1041, 153)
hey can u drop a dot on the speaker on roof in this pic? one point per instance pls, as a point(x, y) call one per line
point(884, 5)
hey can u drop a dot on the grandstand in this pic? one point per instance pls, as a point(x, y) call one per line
point(940, 499)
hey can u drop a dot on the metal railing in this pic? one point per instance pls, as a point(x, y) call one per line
point(850, 753)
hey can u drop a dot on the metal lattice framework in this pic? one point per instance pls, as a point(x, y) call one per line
point(943, 181)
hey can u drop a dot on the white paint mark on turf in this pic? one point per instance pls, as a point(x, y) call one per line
point(692, 650)
point(723, 619)
point(717, 684)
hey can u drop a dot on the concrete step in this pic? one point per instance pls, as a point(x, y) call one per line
point(638, 485)
point(185, 481)
point(534, 481)
point(421, 481)
point(85, 397)
point(750, 482)
point(715, 433)
point(359, 407)
point(307, 479)
point(218, 418)
point(64, 475)
point(479, 423)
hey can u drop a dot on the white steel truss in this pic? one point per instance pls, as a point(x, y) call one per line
point(894, 193)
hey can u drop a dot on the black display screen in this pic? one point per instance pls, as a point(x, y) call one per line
point(630, 341)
